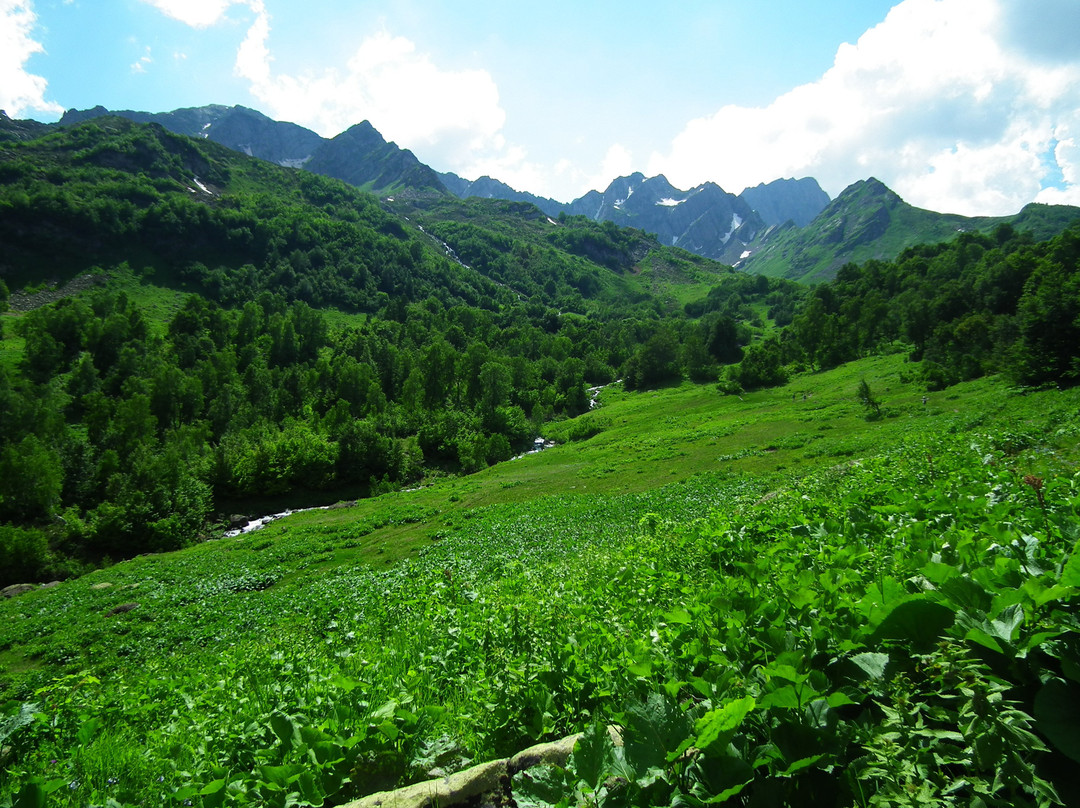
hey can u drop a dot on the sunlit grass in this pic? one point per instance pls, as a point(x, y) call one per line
point(437, 599)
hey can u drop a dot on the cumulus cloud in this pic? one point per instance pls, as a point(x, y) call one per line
point(139, 66)
point(196, 13)
point(949, 102)
point(454, 116)
point(1067, 158)
point(20, 91)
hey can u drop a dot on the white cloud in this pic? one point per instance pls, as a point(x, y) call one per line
point(942, 101)
point(968, 106)
point(1067, 157)
point(196, 13)
point(20, 91)
point(617, 162)
point(144, 60)
point(453, 116)
point(253, 58)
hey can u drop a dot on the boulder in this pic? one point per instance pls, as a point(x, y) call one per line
point(457, 789)
point(485, 784)
point(16, 589)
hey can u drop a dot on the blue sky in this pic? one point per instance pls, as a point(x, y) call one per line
point(967, 106)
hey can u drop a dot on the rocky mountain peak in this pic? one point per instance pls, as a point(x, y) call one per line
point(784, 200)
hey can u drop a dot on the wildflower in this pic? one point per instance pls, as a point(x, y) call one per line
point(1036, 484)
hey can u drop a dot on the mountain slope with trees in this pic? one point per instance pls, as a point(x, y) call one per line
point(980, 304)
point(325, 343)
point(785, 228)
point(328, 343)
point(868, 221)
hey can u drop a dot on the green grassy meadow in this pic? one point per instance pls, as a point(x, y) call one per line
point(790, 600)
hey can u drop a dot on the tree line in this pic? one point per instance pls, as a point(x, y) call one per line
point(121, 435)
point(980, 304)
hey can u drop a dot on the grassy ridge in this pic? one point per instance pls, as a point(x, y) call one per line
point(367, 645)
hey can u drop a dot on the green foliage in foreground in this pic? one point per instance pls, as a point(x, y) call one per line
point(901, 629)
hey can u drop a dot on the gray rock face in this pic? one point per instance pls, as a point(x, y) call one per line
point(485, 784)
point(16, 589)
point(239, 128)
point(489, 188)
point(706, 220)
point(14, 129)
point(780, 201)
point(251, 132)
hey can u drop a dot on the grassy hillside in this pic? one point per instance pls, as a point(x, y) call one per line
point(763, 579)
point(870, 222)
point(516, 244)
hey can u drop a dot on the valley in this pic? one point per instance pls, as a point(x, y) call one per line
point(814, 542)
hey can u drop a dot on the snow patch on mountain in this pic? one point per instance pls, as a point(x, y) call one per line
point(620, 202)
point(736, 220)
point(296, 162)
point(668, 202)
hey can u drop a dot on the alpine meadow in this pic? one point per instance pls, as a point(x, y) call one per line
point(337, 485)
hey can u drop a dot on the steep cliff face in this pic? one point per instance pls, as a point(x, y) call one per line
point(706, 220)
point(242, 129)
point(251, 132)
point(780, 201)
point(490, 188)
point(12, 129)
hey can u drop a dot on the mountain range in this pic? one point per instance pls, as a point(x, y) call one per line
point(787, 228)
point(706, 220)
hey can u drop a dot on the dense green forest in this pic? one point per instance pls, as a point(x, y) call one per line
point(979, 304)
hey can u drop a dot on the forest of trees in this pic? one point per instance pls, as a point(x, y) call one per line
point(118, 440)
point(121, 435)
point(983, 303)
